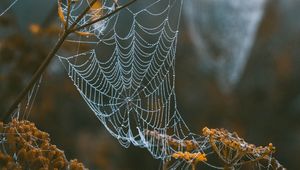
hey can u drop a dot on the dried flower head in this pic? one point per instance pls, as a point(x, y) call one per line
point(26, 147)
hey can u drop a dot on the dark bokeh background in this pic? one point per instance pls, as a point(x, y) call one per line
point(264, 106)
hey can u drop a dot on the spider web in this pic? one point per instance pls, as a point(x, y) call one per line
point(25, 106)
point(223, 33)
point(128, 79)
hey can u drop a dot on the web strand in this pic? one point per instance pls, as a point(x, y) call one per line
point(128, 79)
point(9, 7)
point(132, 89)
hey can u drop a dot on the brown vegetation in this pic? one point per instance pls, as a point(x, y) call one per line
point(26, 147)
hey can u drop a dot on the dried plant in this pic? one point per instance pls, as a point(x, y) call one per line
point(234, 151)
point(26, 147)
point(231, 150)
point(187, 145)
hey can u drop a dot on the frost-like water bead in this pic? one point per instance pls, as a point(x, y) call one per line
point(223, 32)
point(131, 88)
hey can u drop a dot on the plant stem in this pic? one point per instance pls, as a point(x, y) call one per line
point(46, 61)
point(57, 46)
point(104, 17)
point(165, 164)
point(193, 166)
point(36, 75)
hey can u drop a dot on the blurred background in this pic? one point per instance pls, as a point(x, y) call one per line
point(244, 76)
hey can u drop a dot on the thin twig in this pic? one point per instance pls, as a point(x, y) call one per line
point(252, 160)
point(52, 53)
point(193, 166)
point(81, 16)
point(216, 150)
point(104, 17)
point(36, 75)
point(68, 14)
